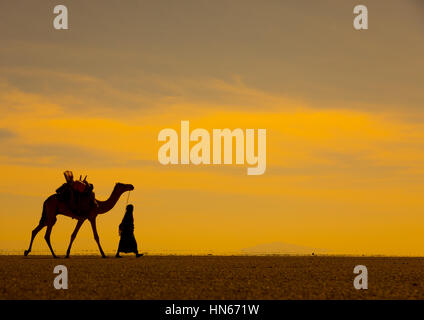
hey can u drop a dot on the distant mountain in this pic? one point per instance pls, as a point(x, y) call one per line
point(281, 248)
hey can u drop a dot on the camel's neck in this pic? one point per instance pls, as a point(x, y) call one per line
point(105, 206)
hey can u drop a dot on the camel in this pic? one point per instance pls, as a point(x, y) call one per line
point(53, 207)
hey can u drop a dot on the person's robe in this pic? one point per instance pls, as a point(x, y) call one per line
point(127, 243)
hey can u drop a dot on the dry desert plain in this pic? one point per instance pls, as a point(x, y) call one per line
point(211, 277)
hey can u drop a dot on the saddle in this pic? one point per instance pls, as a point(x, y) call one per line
point(78, 195)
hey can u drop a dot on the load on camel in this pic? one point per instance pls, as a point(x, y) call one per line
point(76, 199)
point(77, 194)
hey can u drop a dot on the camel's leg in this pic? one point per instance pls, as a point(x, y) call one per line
point(96, 236)
point(73, 236)
point(47, 237)
point(33, 234)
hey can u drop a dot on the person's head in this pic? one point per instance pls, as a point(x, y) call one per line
point(130, 208)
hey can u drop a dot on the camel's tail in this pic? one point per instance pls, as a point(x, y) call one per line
point(43, 215)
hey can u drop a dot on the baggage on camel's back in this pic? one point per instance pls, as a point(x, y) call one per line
point(77, 194)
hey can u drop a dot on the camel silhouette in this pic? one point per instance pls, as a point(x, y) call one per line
point(53, 207)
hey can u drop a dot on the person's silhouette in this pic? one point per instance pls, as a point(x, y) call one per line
point(127, 244)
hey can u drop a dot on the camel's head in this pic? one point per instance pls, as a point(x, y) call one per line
point(122, 187)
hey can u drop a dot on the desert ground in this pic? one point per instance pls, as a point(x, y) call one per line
point(211, 277)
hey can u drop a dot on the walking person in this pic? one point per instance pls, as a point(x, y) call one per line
point(127, 244)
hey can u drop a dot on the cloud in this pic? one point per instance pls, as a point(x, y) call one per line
point(6, 134)
point(53, 155)
point(152, 64)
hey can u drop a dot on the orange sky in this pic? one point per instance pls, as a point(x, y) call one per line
point(342, 109)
